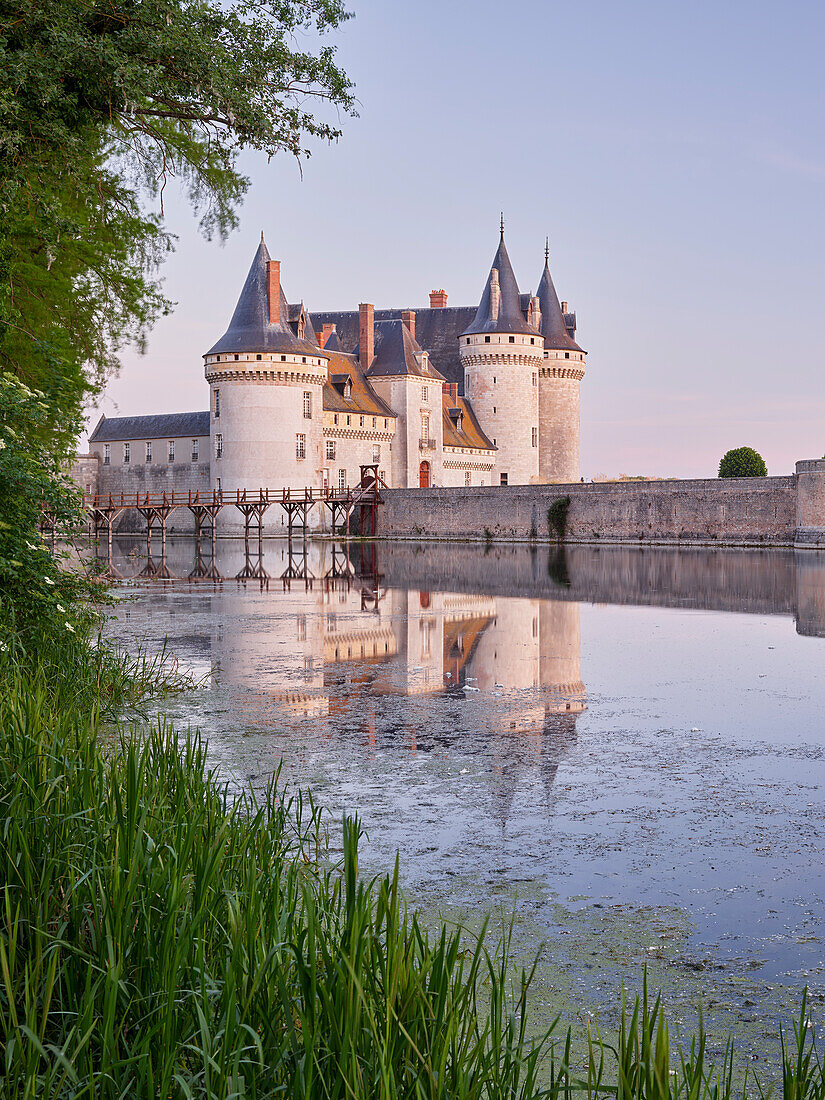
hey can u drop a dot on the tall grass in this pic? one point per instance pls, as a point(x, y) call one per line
point(159, 938)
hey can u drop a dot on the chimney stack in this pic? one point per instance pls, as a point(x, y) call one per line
point(273, 290)
point(495, 295)
point(326, 332)
point(564, 307)
point(438, 299)
point(408, 320)
point(451, 389)
point(366, 335)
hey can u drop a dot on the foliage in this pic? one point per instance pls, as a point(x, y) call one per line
point(163, 936)
point(38, 599)
point(101, 104)
point(742, 462)
point(557, 517)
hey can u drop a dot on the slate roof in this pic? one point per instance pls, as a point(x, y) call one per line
point(509, 317)
point(157, 426)
point(470, 433)
point(553, 324)
point(436, 331)
point(362, 398)
point(250, 328)
point(397, 352)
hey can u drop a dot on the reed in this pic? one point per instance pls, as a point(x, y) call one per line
point(163, 936)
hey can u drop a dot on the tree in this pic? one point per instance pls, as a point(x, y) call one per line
point(102, 102)
point(743, 462)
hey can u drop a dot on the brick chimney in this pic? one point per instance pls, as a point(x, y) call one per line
point(366, 334)
point(451, 389)
point(438, 299)
point(564, 307)
point(326, 332)
point(273, 290)
point(408, 320)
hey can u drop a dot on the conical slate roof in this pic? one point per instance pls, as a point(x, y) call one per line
point(510, 318)
point(333, 342)
point(250, 328)
point(552, 326)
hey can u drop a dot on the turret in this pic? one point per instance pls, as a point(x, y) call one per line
point(266, 376)
point(559, 383)
point(501, 354)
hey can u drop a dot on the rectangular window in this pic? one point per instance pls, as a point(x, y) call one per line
point(425, 428)
point(425, 394)
point(349, 420)
point(300, 446)
point(466, 477)
point(195, 450)
point(373, 422)
point(107, 454)
point(217, 404)
point(331, 450)
point(307, 405)
point(342, 479)
point(335, 418)
point(376, 453)
point(360, 422)
point(218, 446)
point(535, 379)
point(171, 450)
point(127, 452)
point(148, 450)
point(386, 424)
point(535, 437)
point(382, 474)
point(504, 479)
point(218, 484)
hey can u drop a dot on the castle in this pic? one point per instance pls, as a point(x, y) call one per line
point(444, 396)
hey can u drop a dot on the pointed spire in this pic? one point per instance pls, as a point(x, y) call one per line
point(500, 307)
point(251, 328)
point(552, 326)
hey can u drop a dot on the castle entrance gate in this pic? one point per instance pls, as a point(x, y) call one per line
point(424, 475)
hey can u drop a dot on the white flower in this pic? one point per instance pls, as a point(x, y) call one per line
point(30, 545)
point(69, 627)
point(49, 580)
point(61, 609)
point(3, 647)
point(2, 444)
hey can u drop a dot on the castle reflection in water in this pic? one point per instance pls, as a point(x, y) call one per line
point(325, 636)
point(424, 646)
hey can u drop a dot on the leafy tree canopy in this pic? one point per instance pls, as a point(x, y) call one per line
point(102, 102)
point(743, 462)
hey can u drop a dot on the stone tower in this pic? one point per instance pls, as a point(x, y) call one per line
point(560, 376)
point(501, 356)
point(266, 376)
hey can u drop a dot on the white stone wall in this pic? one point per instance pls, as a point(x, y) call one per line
point(501, 381)
point(355, 443)
point(157, 476)
point(405, 394)
point(458, 462)
point(559, 416)
point(261, 416)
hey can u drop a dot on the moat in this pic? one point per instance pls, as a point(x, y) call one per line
point(623, 747)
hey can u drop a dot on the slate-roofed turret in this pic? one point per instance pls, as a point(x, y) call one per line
point(552, 326)
point(251, 328)
point(500, 307)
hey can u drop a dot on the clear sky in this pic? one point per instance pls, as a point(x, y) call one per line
point(674, 154)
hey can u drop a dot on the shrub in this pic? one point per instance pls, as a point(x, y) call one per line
point(557, 517)
point(743, 462)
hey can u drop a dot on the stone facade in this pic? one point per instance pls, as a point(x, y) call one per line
point(748, 511)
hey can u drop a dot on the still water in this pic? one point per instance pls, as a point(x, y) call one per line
point(623, 749)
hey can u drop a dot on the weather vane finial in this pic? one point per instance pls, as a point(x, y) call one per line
point(547, 250)
point(502, 225)
point(262, 234)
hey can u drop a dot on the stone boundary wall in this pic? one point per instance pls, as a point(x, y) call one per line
point(738, 511)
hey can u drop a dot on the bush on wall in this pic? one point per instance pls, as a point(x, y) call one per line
point(743, 462)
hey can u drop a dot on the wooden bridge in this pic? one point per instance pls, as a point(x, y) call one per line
point(297, 504)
